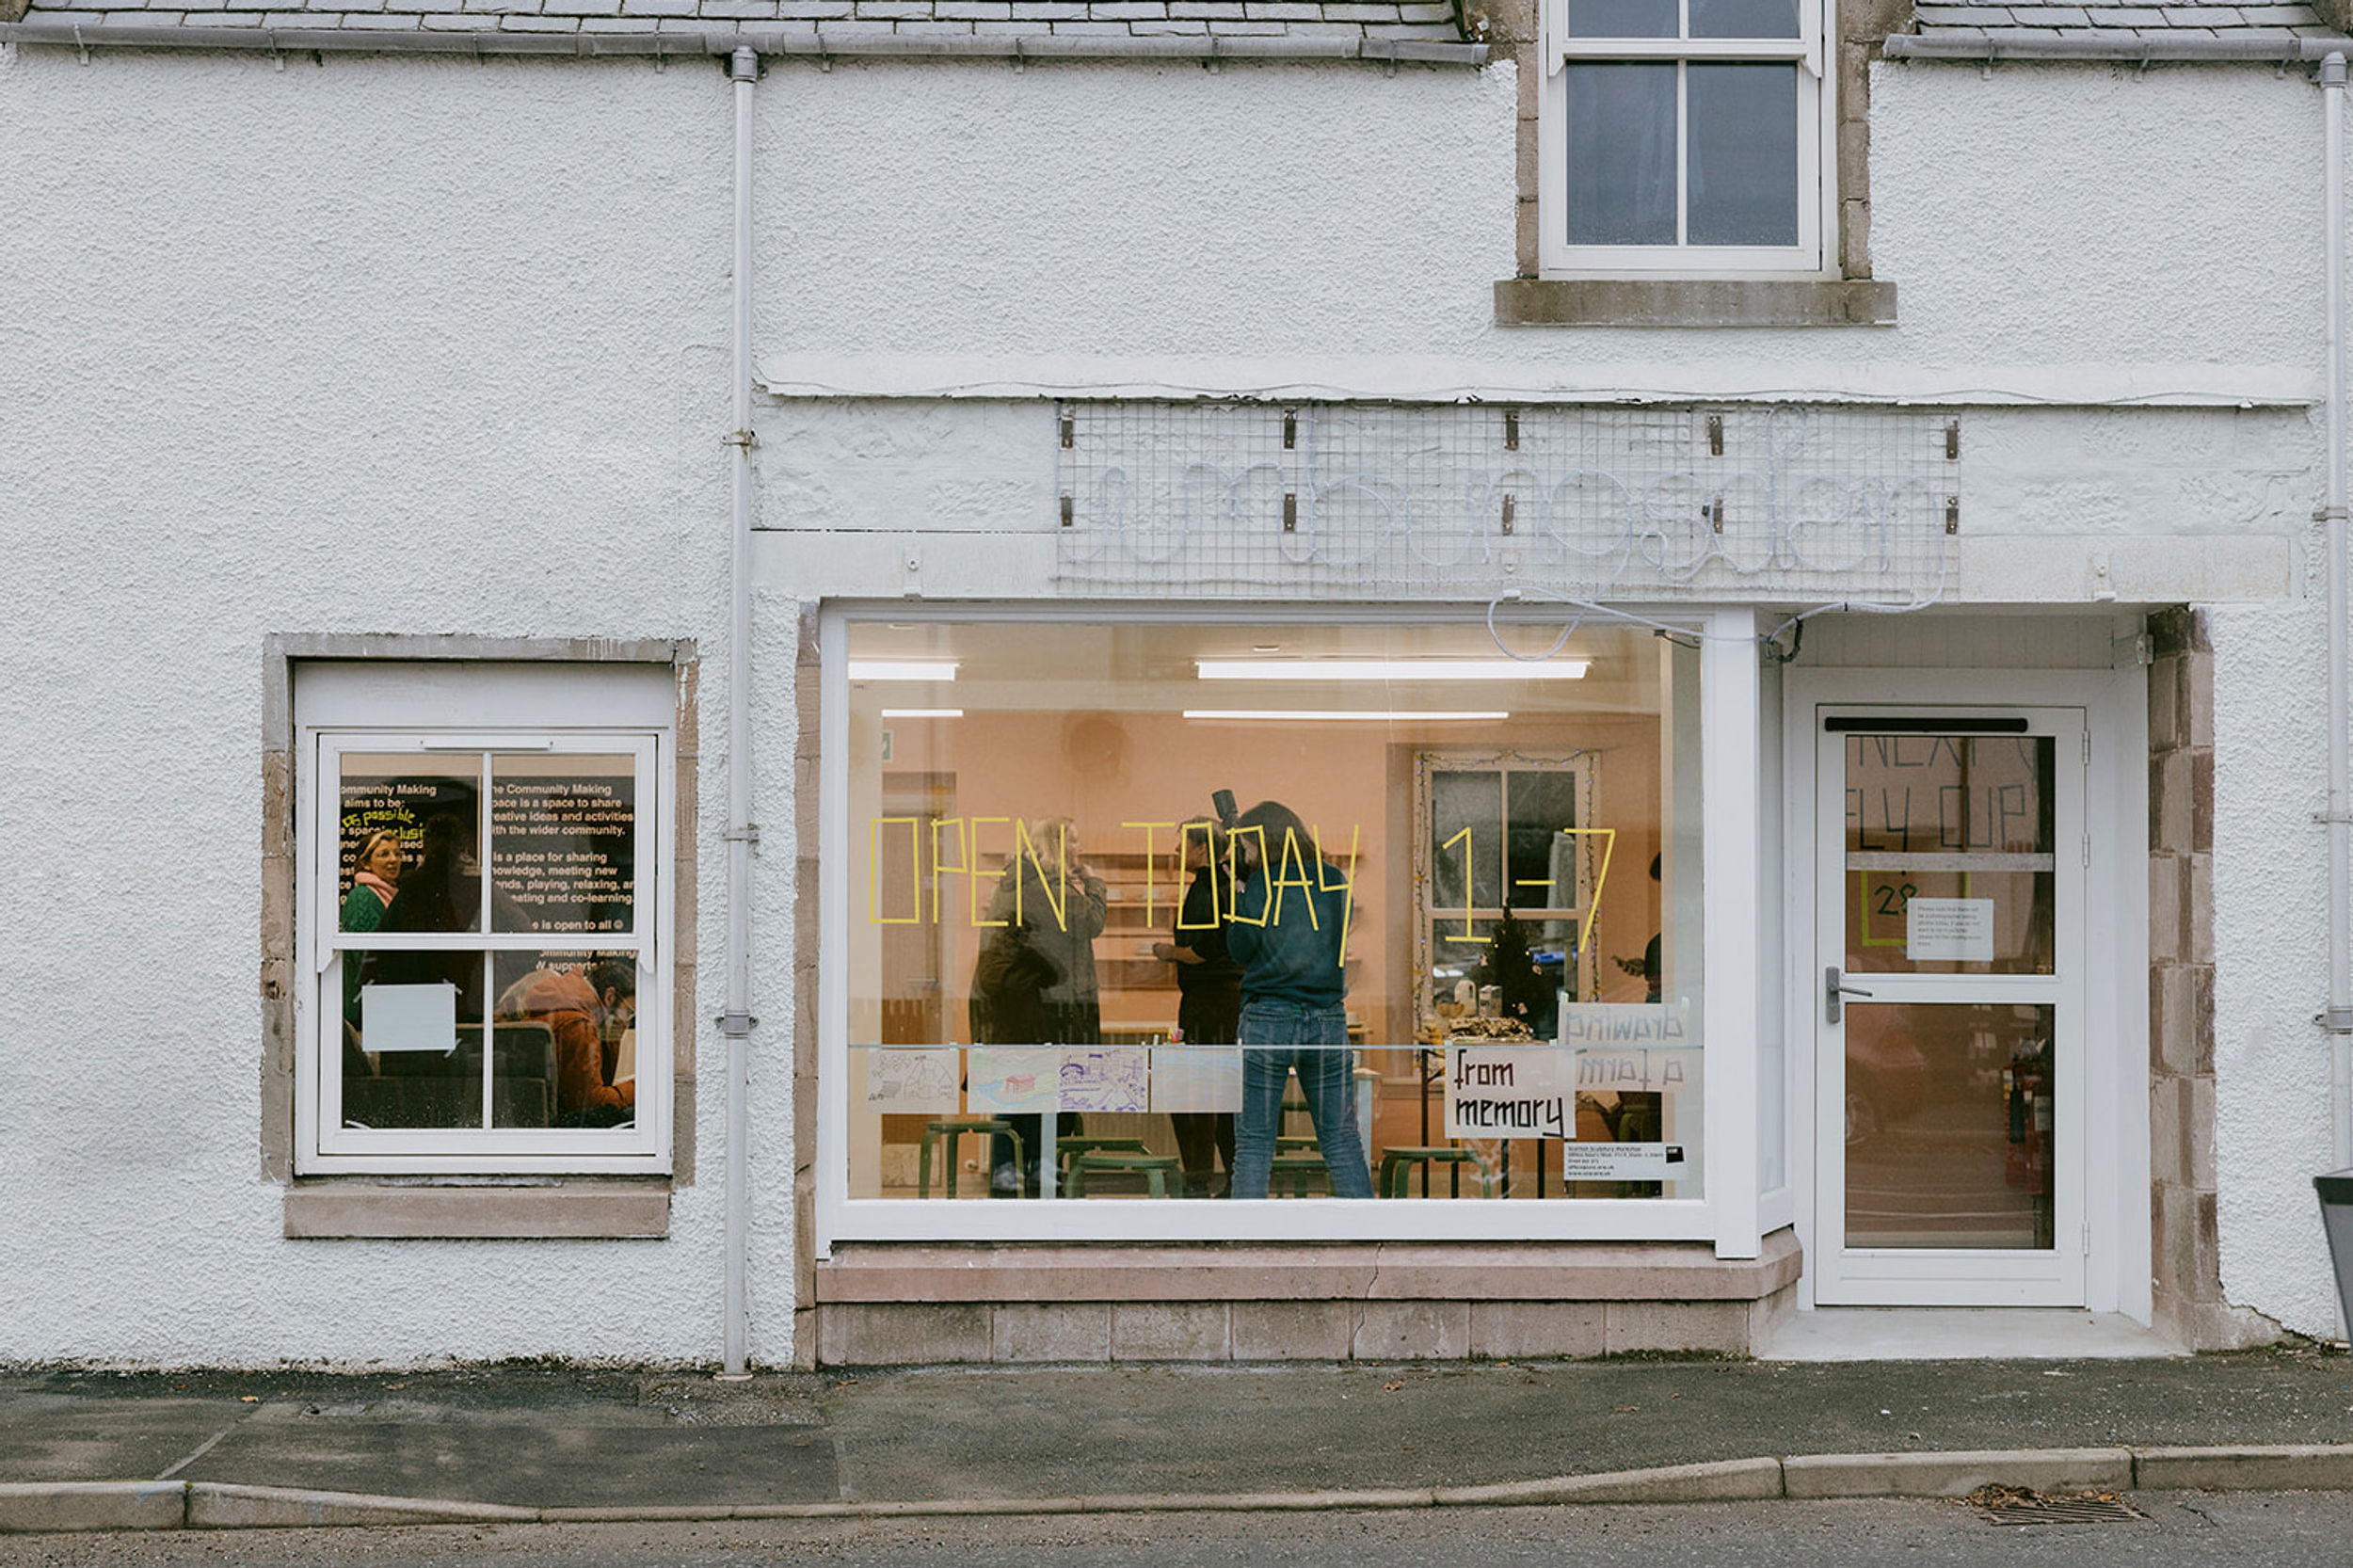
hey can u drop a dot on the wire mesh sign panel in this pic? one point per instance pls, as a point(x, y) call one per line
point(1345, 499)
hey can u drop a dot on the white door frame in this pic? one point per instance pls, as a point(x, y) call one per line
point(2115, 949)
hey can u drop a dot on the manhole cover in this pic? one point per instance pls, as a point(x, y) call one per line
point(2018, 1505)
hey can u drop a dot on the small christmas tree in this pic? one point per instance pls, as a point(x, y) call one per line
point(1512, 969)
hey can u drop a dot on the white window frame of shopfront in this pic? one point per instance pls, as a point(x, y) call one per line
point(471, 720)
point(1730, 763)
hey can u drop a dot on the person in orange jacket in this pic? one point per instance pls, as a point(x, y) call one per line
point(583, 1009)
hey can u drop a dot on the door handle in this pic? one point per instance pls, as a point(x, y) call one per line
point(1835, 992)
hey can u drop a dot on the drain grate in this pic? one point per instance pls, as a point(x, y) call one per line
point(2018, 1505)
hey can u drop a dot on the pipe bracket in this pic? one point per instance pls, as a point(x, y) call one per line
point(737, 1026)
point(2337, 1021)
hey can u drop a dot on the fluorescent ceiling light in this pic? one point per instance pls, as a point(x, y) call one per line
point(1392, 669)
point(922, 713)
point(1402, 715)
point(903, 669)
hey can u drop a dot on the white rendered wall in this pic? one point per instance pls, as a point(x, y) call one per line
point(407, 347)
point(2271, 1060)
point(1100, 225)
point(378, 348)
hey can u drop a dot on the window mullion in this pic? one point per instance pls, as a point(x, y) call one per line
point(1683, 152)
point(489, 1031)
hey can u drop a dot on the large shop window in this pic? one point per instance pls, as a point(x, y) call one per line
point(483, 912)
point(1349, 920)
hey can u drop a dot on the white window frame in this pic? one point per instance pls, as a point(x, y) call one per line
point(1811, 258)
point(1430, 943)
point(1730, 795)
point(497, 700)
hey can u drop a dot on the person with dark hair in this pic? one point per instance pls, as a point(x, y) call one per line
point(437, 894)
point(585, 1009)
point(1290, 931)
point(1209, 995)
point(1035, 982)
point(441, 894)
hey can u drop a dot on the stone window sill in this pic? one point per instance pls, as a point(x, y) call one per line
point(1693, 302)
point(419, 1209)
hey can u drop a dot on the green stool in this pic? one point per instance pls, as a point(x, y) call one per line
point(952, 1131)
point(1299, 1169)
point(1067, 1149)
point(1399, 1164)
point(1155, 1168)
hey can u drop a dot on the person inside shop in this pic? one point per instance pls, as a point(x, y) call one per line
point(1289, 932)
point(441, 893)
point(588, 1010)
point(1208, 996)
point(435, 894)
point(374, 880)
point(1648, 966)
point(1035, 982)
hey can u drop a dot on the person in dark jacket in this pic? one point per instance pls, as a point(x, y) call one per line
point(1209, 993)
point(1034, 983)
point(1289, 930)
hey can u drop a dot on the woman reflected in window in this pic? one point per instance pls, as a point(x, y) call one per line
point(376, 878)
point(1036, 983)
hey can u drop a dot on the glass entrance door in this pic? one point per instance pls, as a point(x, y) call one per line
point(1949, 1060)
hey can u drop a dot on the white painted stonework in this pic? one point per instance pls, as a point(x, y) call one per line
point(390, 346)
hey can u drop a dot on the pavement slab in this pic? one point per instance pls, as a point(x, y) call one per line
point(627, 1442)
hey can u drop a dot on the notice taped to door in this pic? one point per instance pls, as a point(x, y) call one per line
point(1949, 930)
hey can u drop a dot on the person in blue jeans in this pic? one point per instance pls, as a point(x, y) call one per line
point(1289, 933)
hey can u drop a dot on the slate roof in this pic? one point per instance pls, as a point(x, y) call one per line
point(809, 24)
point(2092, 21)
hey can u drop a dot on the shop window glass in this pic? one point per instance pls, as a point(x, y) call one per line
point(485, 929)
point(1467, 886)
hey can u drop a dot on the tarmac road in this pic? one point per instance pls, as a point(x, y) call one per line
point(2183, 1530)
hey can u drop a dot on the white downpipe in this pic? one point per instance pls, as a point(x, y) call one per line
point(744, 71)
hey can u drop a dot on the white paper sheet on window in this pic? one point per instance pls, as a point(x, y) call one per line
point(408, 1017)
point(1107, 1079)
point(1957, 930)
point(913, 1082)
point(1012, 1080)
point(1194, 1078)
point(1600, 1162)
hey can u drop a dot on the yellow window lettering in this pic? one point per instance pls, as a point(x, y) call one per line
point(1346, 886)
point(874, 879)
point(1208, 847)
point(1233, 849)
point(1150, 884)
point(941, 868)
point(1057, 895)
point(1294, 857)
point(974, 854)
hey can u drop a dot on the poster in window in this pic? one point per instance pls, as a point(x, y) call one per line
point(564, 844)
point(1112, 1077)
point(1011, 1081)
